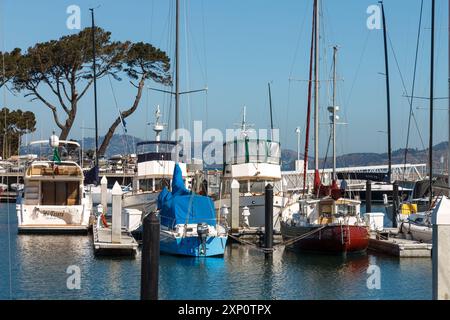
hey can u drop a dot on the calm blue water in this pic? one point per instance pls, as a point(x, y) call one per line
point(39, 263)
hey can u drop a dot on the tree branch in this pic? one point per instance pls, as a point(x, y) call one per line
point(50, 106)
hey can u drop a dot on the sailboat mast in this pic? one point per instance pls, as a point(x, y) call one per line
point(316, 85)
point(271, 114)
point(433, 6)
point(335, 50)
point(388, 94)
point(94, 67)
point(177, 69)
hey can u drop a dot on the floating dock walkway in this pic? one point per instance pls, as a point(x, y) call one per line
point(113, 240)
point(398, 247)
point(103, 245)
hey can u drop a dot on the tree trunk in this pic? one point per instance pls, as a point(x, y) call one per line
point(125, 114)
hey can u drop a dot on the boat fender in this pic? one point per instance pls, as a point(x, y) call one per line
point(105, 223)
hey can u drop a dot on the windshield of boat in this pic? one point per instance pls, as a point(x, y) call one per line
point(252, 151)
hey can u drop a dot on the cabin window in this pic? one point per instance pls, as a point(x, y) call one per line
point(243, 187)
point(146, 184)
point(160, 184)
point(257, 187)
point(60, 193)
point(346, 210)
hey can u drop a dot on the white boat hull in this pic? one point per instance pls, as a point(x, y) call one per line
point(256, 205)
point(139, 201)
point(53, 218)
point(417, 232)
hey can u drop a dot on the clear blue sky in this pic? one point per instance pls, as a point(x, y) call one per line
point(235, 47)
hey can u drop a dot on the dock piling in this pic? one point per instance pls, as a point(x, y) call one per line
point(104, 194)
point(368, 196)
point(116, 213)
point(268, 237)
point(234, 205)
point(150, 258)
point(396, 204)
point(441, 250)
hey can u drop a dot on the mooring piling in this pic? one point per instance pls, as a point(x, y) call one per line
point(396, 204)
point(150, 257)
point(368, 196)
point(268, 237)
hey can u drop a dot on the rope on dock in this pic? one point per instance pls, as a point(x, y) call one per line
point(246, 242)
point(303, 236)
point(284, 243)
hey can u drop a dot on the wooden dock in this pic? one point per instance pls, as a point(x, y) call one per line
point(103, 245)
point(397, 247)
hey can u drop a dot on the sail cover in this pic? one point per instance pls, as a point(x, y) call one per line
point(182, 206)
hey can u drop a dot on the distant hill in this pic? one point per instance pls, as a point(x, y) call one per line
point(123, 144)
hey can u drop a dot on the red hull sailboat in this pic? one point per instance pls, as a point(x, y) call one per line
point(326, 222)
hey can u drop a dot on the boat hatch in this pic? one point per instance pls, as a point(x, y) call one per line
point(60, 193)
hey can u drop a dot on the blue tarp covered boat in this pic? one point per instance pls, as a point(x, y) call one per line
point(188, 222)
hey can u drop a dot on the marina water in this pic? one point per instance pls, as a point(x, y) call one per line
point(39, 266)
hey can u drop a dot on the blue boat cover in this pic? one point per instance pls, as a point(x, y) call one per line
point(182, 206)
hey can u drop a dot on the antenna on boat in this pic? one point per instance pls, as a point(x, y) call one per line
point(244, 127)
point(158, 127)
point(271, 114)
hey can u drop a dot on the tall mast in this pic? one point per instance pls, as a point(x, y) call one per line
point(388, 94)
point(433, 6)
point(177, 69)
point(316, 84)
point(271, 114)
point(94, 67)
point(308, 116)
point(335, 50)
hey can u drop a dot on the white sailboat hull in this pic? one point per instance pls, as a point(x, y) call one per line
point(418, 232)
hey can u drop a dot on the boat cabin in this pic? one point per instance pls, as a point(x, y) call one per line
point(253, 163)
point(51, 184)
point(155, 165)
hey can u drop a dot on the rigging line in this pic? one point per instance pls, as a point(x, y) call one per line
point(358, 69)
point(151, 19)
point(206, 58)
point(120, 115)
point(411, 112)
point(204, 39)
point(187, 55)
point(195, 47)
point(403, 84)
point(297, 47)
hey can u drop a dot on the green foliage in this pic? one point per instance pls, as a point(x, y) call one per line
point(18, 123)
point(65, 67)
